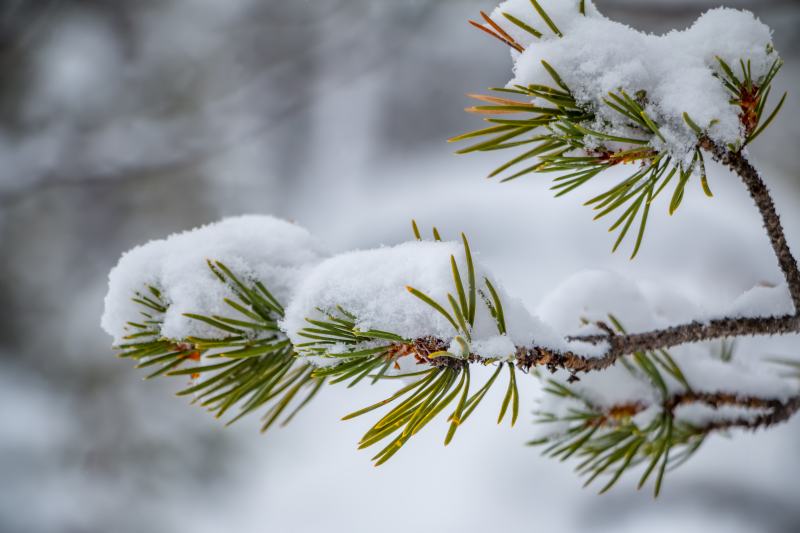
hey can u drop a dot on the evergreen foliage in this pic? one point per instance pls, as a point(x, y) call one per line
point(558, 136)
point(612, 440)
point(252, 365)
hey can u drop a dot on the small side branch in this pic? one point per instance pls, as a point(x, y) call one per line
point(775, 411)
point(694, 332)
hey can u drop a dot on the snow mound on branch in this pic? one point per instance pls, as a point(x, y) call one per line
point(264, 248)
point(371, 285)
point(763, 301)
point(676, 71)
point(592, 296)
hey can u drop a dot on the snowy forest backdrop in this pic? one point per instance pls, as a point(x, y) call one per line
point(124, 121)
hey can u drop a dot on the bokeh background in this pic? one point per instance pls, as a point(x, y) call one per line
point(127, 120)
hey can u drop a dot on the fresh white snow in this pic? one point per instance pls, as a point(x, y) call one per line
point(595, 56)
point(675, 71)
point(372, 286)
point(270, 250)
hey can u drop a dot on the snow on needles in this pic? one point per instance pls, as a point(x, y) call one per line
point(371, 285)
point(574, 306)
point(273, 251)
point(674, 72)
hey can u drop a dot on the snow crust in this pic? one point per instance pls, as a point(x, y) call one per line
point(676, 70)
point(763, 301)
point(273, 251)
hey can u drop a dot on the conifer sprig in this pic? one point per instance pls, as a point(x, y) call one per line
point(249, 365)
point(569, 147)
point(751, 96)
point(558, 135)
point(354, 355)
point(611, 440)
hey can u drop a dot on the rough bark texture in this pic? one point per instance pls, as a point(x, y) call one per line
point(695, 332)
point(777, 411)
point(528, 357)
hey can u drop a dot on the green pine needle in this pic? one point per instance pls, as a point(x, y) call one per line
point(248, 364)
point(530, 29)
point(546, 18)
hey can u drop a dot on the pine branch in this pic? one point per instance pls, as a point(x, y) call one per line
point(251, 363)
point(612, 439)
point(253, 360)
point(581, 137)
point(247, 364)
point(567, 128)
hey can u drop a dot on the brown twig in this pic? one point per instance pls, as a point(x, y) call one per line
point(768, 411)
point(758, 190)
point(773, 411)
point(694, 332)
point(777, 411)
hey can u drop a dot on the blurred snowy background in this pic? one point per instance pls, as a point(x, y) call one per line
point(126, 120)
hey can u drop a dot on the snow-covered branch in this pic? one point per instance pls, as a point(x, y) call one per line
point(258, 315)
point(697, 331)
